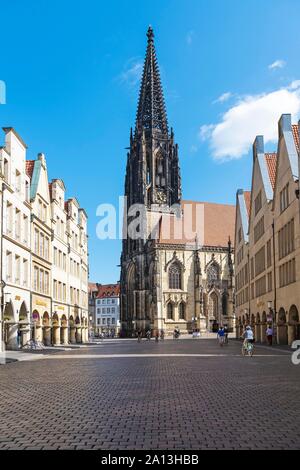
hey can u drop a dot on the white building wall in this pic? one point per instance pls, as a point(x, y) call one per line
point(16, 257)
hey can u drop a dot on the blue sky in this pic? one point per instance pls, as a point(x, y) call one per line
point(72, 68)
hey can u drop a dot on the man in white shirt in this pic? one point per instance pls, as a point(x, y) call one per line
point(269, 334)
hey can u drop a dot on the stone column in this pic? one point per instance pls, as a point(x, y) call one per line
point(291, 334)
point(258, 332)
point(64, 335)
point(56, 335)
point(12, 337)
point(78, 334)
point(72, 335)
point(263, 328)
point(25, 336)
point(47, 335)
point(83, 334)
point(282, 334)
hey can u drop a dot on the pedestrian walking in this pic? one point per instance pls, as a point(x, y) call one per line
point(221, 336)
point(162, 335)
point(269, 334)
point(176, 333)
point(19, 338)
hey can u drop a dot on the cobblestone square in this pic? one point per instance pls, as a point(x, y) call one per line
point(183, 394)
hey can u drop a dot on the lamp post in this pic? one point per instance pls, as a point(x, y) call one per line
point(246, 314)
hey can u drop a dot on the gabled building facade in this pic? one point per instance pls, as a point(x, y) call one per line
point(267, 256)
point(41, 243)
point(15, 242)
point(108, 310)
point(43, 254)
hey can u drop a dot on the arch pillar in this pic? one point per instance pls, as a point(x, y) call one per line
point(78, 334)
point(64, 335)
point(282, 334)
point(293, 324)
point(12, 336)
point(46, 335)
point(258, 336)
point(25, 336)
point(282, 328)
point(263, 327)
point(56, 335)
point(73, 335)
point(291, 334)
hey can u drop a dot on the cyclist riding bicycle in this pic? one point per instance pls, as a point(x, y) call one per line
point(248, 336)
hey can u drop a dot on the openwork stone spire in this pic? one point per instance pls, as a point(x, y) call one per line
point(152, 173)
point(151, 114)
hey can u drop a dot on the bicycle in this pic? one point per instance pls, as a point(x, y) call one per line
point(247, 349)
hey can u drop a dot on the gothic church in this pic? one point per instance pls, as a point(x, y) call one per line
point(170, 278)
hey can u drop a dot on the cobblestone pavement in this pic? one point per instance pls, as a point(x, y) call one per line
point(215, 399)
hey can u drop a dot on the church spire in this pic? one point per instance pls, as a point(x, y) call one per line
point(151, 113)
point(152, 174)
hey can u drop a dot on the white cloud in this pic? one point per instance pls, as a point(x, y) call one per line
point(190, 37)
point(132, 72)
point(224, 97)
point(294, 85)
point(278, 64)
point(251, 116)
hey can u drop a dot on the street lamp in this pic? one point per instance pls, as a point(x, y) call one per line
point(246, 315)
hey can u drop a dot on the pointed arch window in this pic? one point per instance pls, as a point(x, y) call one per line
point(182, 311)
point(175, 276)
point(213, 274)
point(170, 311)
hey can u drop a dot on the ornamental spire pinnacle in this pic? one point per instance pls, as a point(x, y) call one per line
point(151, 113)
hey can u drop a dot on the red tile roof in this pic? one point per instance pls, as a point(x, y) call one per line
point(247, 197)
point(29, 167)
point(218, 225)
point(295, 130)
point(108, 290)
point(271, 159)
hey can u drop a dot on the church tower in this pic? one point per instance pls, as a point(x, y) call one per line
point(169, 279)
point(152, 174)
point(152, 180)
